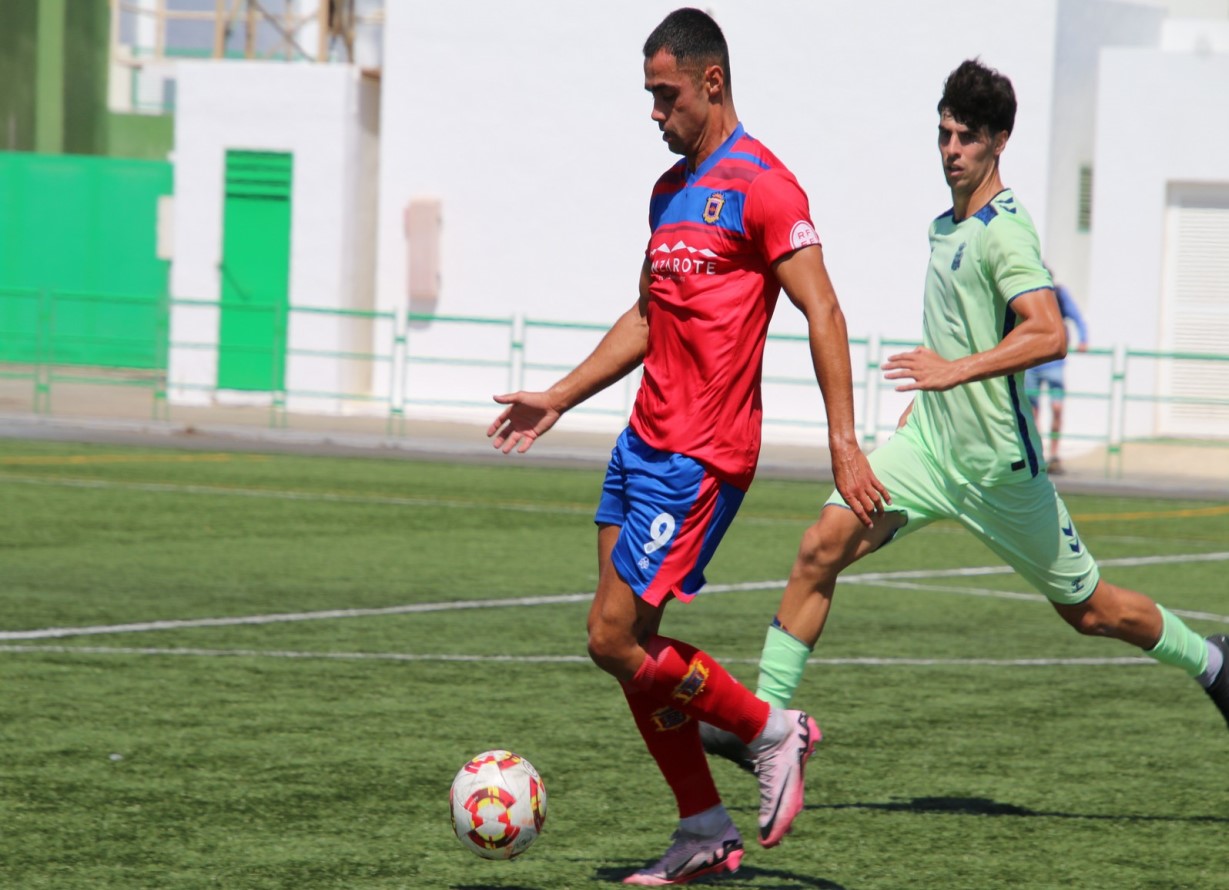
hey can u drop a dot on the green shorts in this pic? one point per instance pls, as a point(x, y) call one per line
point(1025, 522)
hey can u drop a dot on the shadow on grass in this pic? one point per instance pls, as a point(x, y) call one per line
point(981, 806)
point(765, 878)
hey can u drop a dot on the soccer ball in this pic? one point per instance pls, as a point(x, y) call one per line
point(498, 805)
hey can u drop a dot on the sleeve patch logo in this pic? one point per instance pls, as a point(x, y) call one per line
point(802, 234)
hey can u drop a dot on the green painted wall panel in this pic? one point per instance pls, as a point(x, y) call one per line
point(81, 233)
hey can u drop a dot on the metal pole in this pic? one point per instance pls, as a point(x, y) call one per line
point(219, 29)
point(870, 422)
point(1118, 394)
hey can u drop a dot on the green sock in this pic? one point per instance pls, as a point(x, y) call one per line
point(1179, 645)
point(781, 665)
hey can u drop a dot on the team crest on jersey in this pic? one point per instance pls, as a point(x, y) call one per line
point(959, 255)
point(712, 207)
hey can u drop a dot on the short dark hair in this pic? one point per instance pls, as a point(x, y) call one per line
point(978, 96)
point(690, 35)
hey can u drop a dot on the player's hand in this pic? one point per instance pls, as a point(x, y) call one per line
point(528, 415)
point(925, 367)
point(857, 484)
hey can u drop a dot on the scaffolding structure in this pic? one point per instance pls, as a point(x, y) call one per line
point(290, 30)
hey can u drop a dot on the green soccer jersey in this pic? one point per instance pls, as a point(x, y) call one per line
point(980, 432)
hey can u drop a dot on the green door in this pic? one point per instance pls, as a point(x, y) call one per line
point(255, 271)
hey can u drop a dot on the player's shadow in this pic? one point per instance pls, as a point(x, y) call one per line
point(981, 806)
point(788, 880)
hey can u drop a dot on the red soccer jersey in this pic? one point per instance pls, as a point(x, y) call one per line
point(715, 235)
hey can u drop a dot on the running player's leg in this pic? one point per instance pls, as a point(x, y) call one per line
point(833, 543)
point(801, 616)
point(836, 540)
point(1029, 526)
point(1057, 391)
point(829, 546)
point(1137, 619)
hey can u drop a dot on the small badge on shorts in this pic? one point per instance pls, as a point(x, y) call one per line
point(712, 207)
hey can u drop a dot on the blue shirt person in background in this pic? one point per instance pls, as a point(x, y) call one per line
point(1050, 375)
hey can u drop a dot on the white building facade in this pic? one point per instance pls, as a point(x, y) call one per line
point(516, 155)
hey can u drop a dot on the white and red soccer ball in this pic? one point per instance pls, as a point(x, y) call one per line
point(498, 804)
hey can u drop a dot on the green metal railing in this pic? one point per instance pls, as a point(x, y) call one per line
point(54, 339)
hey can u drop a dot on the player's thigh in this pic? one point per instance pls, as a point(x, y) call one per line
point(1027, 524)
point(618, 618)
point(839, 538)
point(920, 493)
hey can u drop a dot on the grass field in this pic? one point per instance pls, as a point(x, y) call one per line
point(258, 671)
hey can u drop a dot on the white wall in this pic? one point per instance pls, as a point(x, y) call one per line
point(1084, 28)
point(326, 116)
point(1160, 118)
point(530, 122)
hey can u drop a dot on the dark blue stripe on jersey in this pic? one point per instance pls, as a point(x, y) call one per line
point(987, 213)
point(1009, 322)
point(687, 206)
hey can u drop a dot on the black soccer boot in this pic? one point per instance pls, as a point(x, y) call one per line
point(1219, 690)
point(731, 747)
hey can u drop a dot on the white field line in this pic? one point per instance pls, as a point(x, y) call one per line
point(867, 578)
point(555, 659)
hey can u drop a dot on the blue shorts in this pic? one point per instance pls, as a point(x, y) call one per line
point(673, 513)
point(1051, 375)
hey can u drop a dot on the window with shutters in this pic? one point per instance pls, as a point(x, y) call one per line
point(1195, 312)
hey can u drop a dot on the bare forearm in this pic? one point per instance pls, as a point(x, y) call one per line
point(619, 352)
point(1025, 347)
point(829, 341)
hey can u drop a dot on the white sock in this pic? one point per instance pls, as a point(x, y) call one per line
point(774, 730)
point(1215, 661)
point(707, 823)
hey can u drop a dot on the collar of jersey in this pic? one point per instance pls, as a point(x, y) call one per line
point(722, 150)
point(951, 211)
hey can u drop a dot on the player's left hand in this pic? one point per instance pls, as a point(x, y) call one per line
point(528, 415)
point(925, 367)
point(856, 481)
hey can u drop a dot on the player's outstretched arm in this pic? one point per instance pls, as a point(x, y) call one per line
point(1037, 337)
point(804, 277)
point(530, 414)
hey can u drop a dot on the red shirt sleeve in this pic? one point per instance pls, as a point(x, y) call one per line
point(777, 215)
